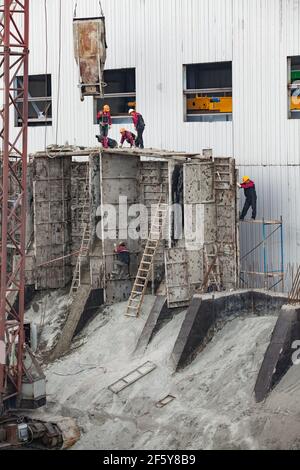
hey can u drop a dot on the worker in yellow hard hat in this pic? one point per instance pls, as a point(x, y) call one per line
point(127, 136)
point(104, 120)
point(251, 197)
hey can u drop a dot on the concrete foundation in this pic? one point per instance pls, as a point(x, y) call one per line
point(278, 357)
point(207, 313)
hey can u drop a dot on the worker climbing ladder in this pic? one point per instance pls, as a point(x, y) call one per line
point(145, 268)
point(85, 241)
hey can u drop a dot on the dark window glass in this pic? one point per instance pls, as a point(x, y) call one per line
point(119, 94)
point(40, 102)
point(208, 92)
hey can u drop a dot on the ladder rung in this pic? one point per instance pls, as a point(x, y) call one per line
point(136, 292)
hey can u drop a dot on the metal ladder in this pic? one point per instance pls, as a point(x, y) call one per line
point(144, 271)
point(223, 176)
point(85, 241)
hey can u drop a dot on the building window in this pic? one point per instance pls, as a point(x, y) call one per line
point(294, 87)
point(119, 94)
point(207, 92)
point(39, 101)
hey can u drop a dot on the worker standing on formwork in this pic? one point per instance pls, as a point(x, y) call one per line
point(127, 136)
point(104, 120)
point(139, 125)
point(251, 197)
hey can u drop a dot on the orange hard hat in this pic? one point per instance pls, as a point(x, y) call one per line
point(122, 130)
point(245, 179)
point(106, 108)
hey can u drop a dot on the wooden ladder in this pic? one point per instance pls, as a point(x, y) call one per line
point(212, 270)
point(141, 281)
point(85, 241)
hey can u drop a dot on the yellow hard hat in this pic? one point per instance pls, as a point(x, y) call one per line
point(122, 130)
point(245, 178)
point(106, 108)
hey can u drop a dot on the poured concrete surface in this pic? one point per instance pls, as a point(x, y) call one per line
point(207, 313)
point(278, 357)
point(214, 406)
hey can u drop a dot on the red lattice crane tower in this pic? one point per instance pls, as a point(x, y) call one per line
point(14, 36)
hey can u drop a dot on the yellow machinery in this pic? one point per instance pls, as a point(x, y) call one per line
point(295, 103)
point(295, 100)
point(221, 104)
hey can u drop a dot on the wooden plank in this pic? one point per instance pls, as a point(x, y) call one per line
point(132, 377)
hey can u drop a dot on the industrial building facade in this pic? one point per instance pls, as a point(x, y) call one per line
point(162, 55)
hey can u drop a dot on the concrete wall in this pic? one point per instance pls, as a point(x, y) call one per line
point(135, 182)
point(52, 220)
point(208, 313)
point(80, 197)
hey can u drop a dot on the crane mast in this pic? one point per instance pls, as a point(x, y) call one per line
point(14, 41)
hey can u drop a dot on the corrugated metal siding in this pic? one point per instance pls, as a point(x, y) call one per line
point(158, 37)
point(266, 143)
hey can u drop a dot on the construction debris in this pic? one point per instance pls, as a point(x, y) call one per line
point(132, 377)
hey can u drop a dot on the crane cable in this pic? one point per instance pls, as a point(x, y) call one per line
point(75, 9)
point(46, 67)
point(59, 72)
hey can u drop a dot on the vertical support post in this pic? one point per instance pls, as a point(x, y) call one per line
point(265, 255)
point(282, 252)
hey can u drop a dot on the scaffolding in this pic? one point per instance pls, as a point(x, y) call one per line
point(278, 274)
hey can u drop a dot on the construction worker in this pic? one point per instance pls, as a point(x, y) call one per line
point(112, 144)
point(127, 136)
point(139, 125)
point(251, 197)
point(122, 263)
point(104, 120)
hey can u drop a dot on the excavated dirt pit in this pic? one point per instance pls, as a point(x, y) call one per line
point(214, 406)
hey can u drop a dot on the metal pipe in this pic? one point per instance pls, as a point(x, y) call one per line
point(265, 253)
point(282, 250)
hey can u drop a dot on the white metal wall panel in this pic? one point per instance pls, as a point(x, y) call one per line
point(158, 38)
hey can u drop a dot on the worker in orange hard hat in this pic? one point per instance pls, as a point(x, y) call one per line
point(127, 136)
point(251, 197)
point(104, 120)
